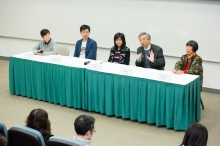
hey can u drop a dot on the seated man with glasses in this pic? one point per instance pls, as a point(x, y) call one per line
point(85, 47)
point(84, 127)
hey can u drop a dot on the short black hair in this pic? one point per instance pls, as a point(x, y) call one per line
point(84, 27)
point(44, 32)
point(3, 141)
point(196, 135)
point(83, 124)
point(122, 36)
point(193, 44)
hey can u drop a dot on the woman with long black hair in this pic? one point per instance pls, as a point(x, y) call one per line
point(119, 53)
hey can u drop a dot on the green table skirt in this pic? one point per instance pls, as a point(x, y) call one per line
point(48, 82)
point(164, 104)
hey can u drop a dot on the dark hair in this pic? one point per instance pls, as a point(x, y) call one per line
point(122, 36)
point(83, 124)
point(44, 32)
point(193, 44)
point(38, 120)
point(84, 27)
point(3, 141)
point(196, 135)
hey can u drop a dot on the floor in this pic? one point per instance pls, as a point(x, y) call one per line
point(111, 131)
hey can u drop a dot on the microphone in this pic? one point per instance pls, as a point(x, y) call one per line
point(87, 62)
point(141, 55)
point(40, 51)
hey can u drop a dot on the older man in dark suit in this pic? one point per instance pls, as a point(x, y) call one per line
point(149, 55)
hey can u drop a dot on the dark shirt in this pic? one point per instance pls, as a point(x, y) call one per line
point(46, 43)
point(147, 61)
point(47, 138)
point(117, 56)
point(122, 56)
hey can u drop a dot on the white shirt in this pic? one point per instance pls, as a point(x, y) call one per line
point(85, 142)
point(147, 48)
point(83, 50)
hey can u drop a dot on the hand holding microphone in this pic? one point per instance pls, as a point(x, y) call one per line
point(139, 56)
point(40, 51)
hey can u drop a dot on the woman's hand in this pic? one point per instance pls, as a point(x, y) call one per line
point(178, 72)
point(175, 71)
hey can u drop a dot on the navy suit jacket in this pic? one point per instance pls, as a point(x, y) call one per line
point(91, 48)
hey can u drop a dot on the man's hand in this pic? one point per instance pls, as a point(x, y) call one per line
point(151, 58)
point(36, 53)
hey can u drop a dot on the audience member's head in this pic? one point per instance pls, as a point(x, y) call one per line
point(196, 135)
point(38, 119)
point(3, 141)
point(84, 127)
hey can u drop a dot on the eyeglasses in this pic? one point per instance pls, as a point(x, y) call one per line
point(85, 32)
point(93, 130)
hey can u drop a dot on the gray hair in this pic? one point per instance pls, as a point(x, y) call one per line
point(147, 35)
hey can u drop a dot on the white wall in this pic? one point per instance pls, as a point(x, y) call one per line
point(170, 23)
point(9, 47)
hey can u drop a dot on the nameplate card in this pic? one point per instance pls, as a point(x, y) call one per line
point(125, 71)
point(95, 66)
point(29, 55)
point(164, 77)
point(55, 59)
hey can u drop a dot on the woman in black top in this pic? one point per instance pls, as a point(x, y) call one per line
point(119, 53)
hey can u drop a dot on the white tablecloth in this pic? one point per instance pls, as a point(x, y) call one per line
point(106, 67)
